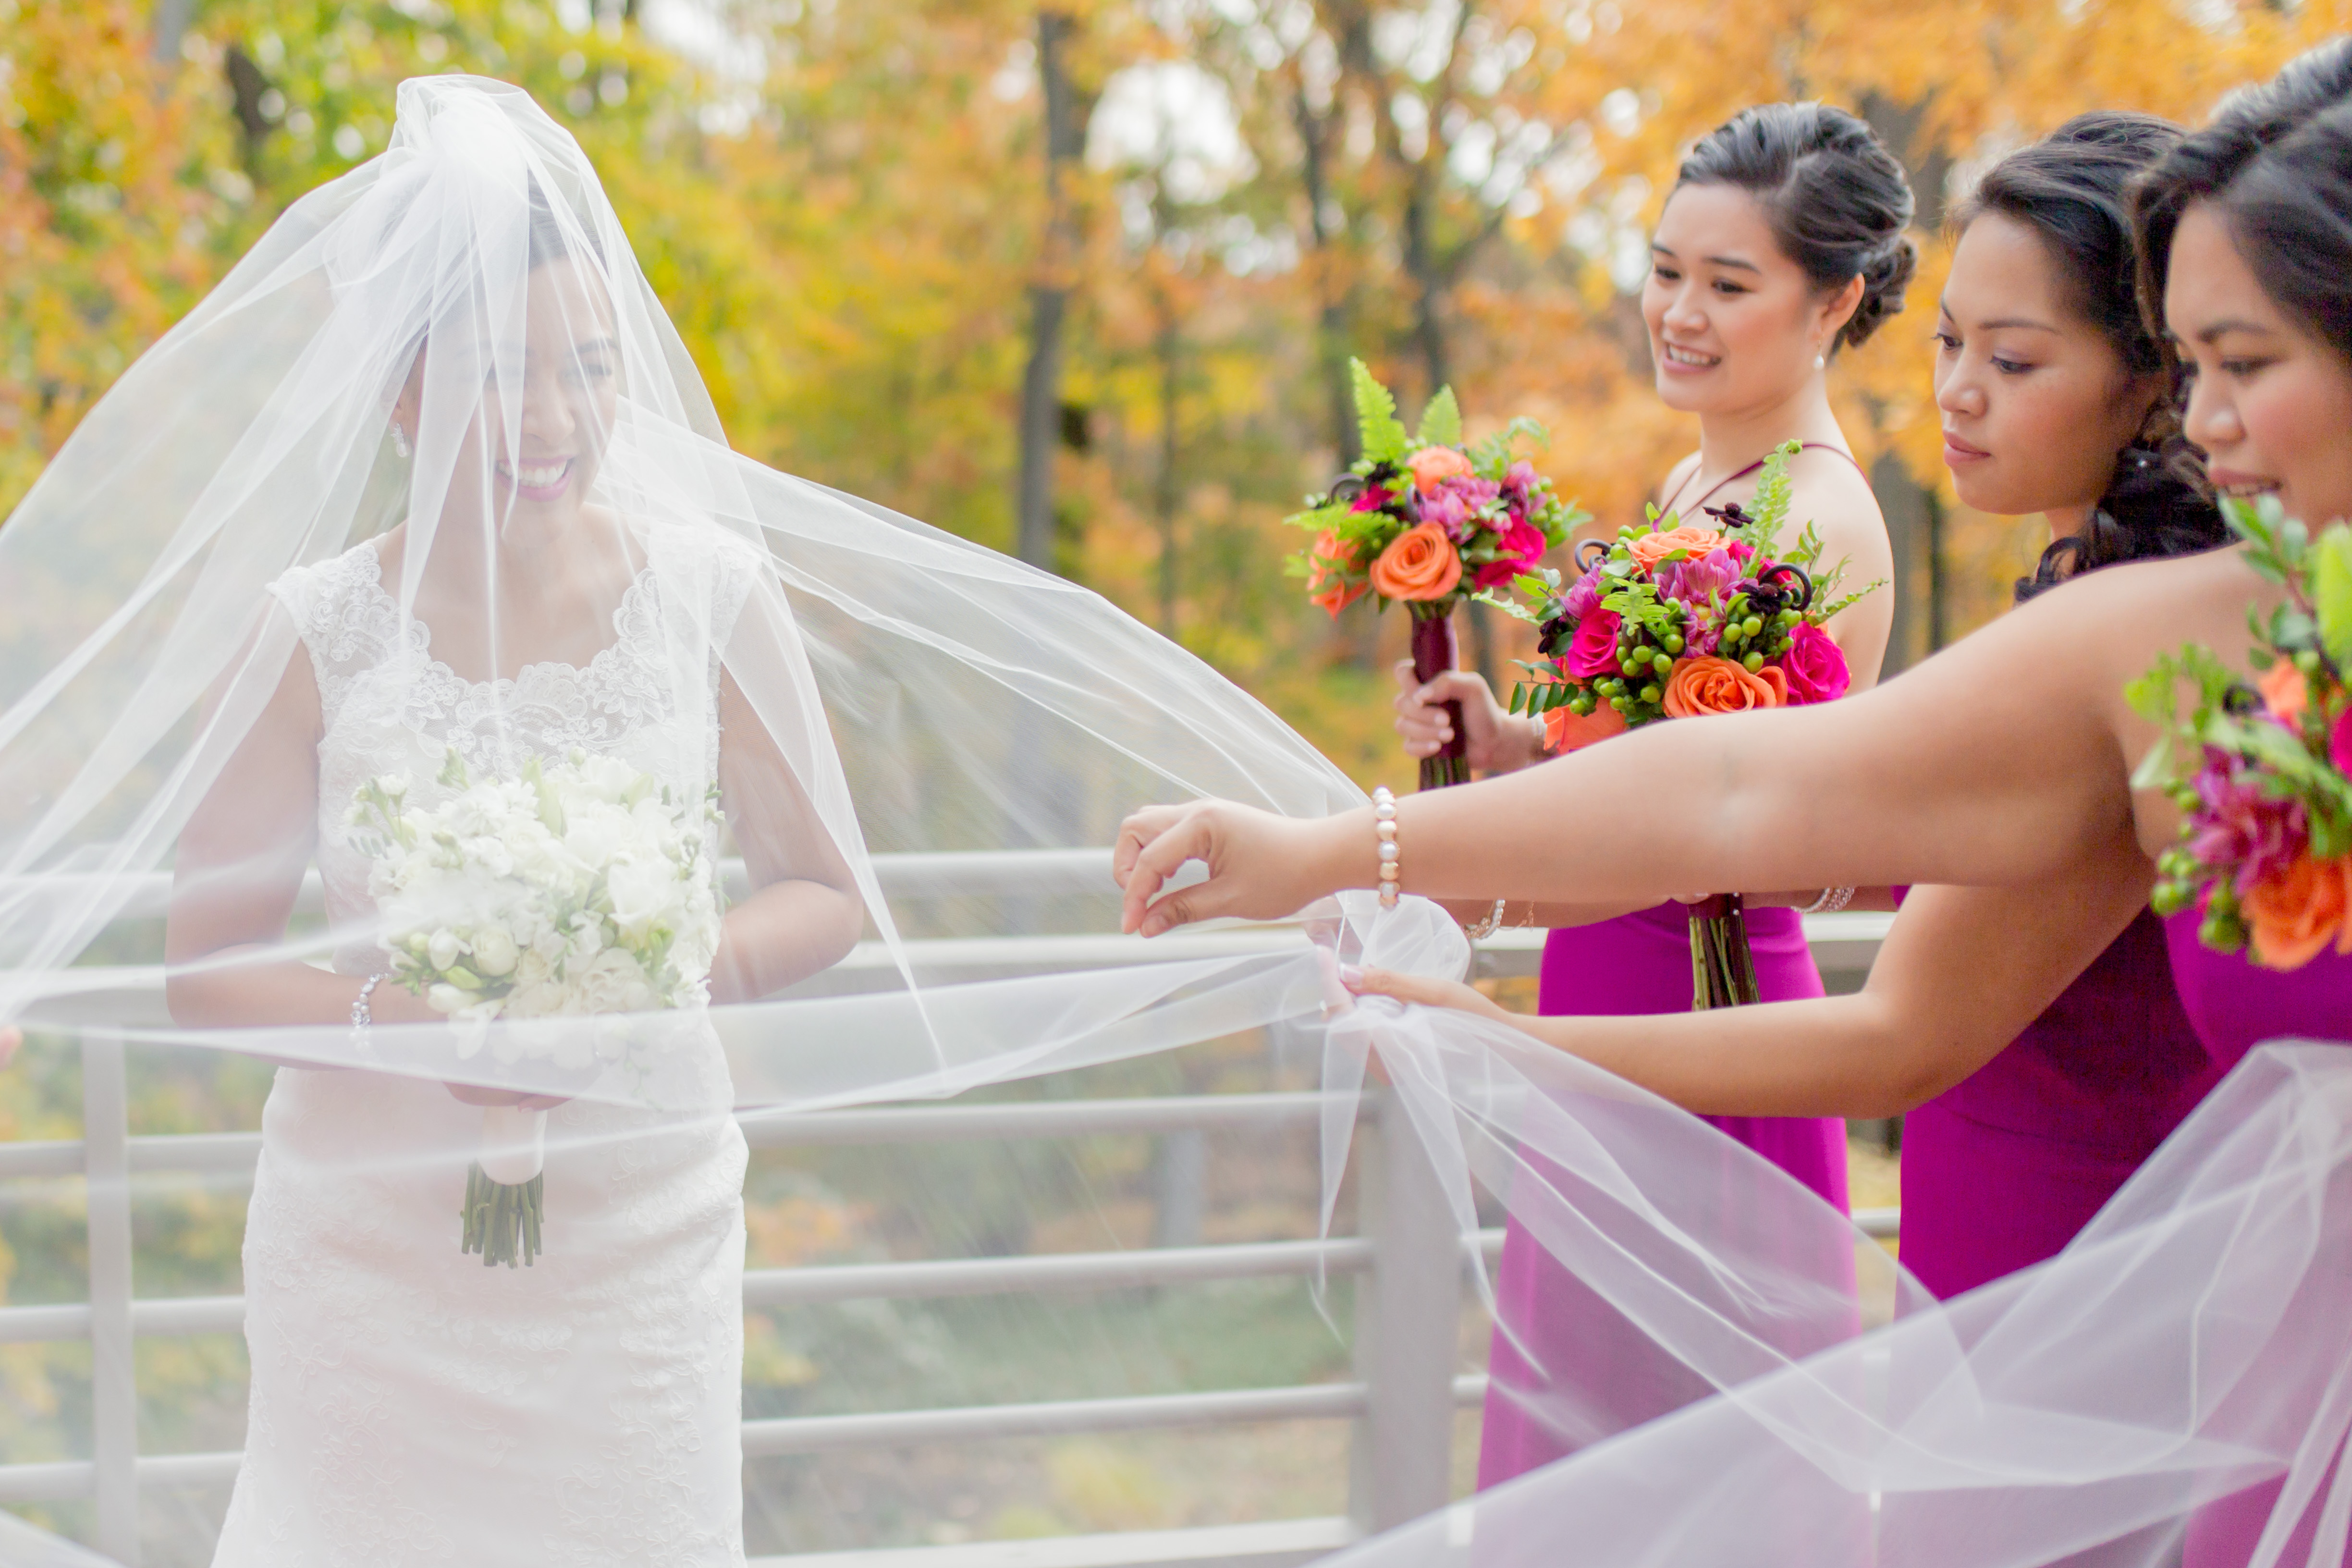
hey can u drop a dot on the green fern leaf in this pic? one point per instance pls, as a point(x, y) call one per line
point(1384, 440)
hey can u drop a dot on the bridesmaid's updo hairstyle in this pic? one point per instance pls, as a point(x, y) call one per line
point(2071, 189)
point(2277, 162)
point(1835, 196)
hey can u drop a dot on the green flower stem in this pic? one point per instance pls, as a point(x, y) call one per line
point(502, 1222)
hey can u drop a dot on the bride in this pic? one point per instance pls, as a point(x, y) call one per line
point(408, 1404)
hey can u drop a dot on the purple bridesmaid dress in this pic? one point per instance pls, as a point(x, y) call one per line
point(1637, 963)
point(2002, 1170)
point(2236, 1006)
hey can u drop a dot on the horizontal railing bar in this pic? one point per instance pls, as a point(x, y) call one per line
point(61, 1480)
point(1034, 1118)
point(1054, 1271)
point(825, 1434)
point(1470, 1388)
point(1881, 1225)
point(1278, 1543)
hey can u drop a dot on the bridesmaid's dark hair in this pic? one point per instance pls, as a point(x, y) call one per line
point(1835, 196)
point(2071, 189)
point(2277, 163)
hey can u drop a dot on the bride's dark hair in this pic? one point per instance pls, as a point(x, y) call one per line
point(2071, 189)
point(1835, 196)
point(2277, 164)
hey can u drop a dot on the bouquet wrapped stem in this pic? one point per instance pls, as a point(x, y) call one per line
point(1435, 652)
point(1723, 969)
point(502, 1221)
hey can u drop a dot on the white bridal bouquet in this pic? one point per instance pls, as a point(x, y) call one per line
point(582, 889)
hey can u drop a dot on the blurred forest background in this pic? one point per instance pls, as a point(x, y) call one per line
point(1079, 280)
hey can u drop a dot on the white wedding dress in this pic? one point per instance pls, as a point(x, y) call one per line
point(410, 1405)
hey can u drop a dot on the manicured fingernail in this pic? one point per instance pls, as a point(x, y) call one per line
point(1351, 977)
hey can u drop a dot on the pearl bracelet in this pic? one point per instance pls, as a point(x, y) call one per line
point(1486, 927)
point(1385, 828)
point(362, 1016)
point(1831, 900)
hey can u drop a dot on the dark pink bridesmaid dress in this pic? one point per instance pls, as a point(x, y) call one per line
point(1579, 1372)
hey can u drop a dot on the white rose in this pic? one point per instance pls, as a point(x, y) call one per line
point(612, 983)
point(644, 889)
point(494, 953)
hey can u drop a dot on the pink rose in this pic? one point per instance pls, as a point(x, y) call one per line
point(2339, 742)
point(1521, 546)
point(1593, 650)
point(1814, 665)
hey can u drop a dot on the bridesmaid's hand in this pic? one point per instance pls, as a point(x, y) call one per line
point(1422, 990)
point(1495, 742)
point(1260, 866)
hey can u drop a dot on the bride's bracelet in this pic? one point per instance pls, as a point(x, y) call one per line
point(1487, 926)
point(1831, 900)
point(1384, 825)
point(362, 1016)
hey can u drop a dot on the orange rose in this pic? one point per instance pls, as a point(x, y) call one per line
point(1433, 464)
point(2291, 915)
point(1420, 565)
point(1327, 585)
point(1703, 686)
point(1651, 548)
point(1565, 732)
point(2284, 691)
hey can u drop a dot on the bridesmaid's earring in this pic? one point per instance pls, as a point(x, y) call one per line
point(399, 439)
point(1821, 362)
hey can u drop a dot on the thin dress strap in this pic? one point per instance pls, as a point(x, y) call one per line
point(1759, 463)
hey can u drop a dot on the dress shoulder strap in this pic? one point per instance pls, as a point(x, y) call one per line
point(1756, 466)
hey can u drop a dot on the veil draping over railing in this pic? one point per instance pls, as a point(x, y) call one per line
point(426, 496)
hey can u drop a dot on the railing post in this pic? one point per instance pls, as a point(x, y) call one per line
point(113, 1379)
point(1408, 1317)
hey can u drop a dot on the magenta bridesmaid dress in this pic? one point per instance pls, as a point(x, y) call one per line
point(2236, 1006)
point(1571, 1344)
point(2002, 1170)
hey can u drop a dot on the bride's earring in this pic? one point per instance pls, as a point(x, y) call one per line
point(1821, 362)
point(399, 439)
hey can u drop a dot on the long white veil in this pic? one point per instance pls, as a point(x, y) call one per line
point(425, 502)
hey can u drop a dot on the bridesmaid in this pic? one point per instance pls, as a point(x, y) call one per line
point(2038, 332)
point(1784, 240)
point(2002, 766)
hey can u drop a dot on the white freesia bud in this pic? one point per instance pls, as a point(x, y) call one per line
point(494, 953)
point(447, 999)
point(443, 948)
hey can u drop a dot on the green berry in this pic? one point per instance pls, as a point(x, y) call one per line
point(1752, 626)
point(1752, 663)
point(1673, 642)
point(1651, 693)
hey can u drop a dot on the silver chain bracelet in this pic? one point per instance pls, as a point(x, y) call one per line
point(1831, 900)
point(363, 1017)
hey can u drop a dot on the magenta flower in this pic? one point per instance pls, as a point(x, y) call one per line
point(2240, 828)
point(1814, 665)
point(2339, 743)
point(1444, 508)
point(1583, 595)
point(1593, 650)
point(1697, 581)
point(1372, 498)
point(1522, 546)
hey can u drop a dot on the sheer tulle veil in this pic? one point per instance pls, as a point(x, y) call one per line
point(433, 450)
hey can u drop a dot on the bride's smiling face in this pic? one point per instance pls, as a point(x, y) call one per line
point(540, 434)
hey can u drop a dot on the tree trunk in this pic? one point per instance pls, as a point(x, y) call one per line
point(1331, 320)
point(1913, 511)
point(170, 27)
point(1041, 382)
point(1164, 501)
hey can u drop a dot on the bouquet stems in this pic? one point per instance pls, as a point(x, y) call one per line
point(1723, 970)
point(1435, 652)
point(502, 1222)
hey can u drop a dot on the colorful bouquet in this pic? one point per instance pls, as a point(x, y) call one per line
point(584, 890)
point(1675, 621)
point(2259, 770)
point(1425, 522)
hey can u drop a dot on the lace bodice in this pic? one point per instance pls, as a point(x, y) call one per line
point(388, 706)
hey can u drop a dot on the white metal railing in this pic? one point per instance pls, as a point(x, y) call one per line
point(1400, 1398)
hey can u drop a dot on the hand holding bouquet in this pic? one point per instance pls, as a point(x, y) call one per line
point(2259, 770)
point(1672, 620)
point(581, 889)
point(1425, 522)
